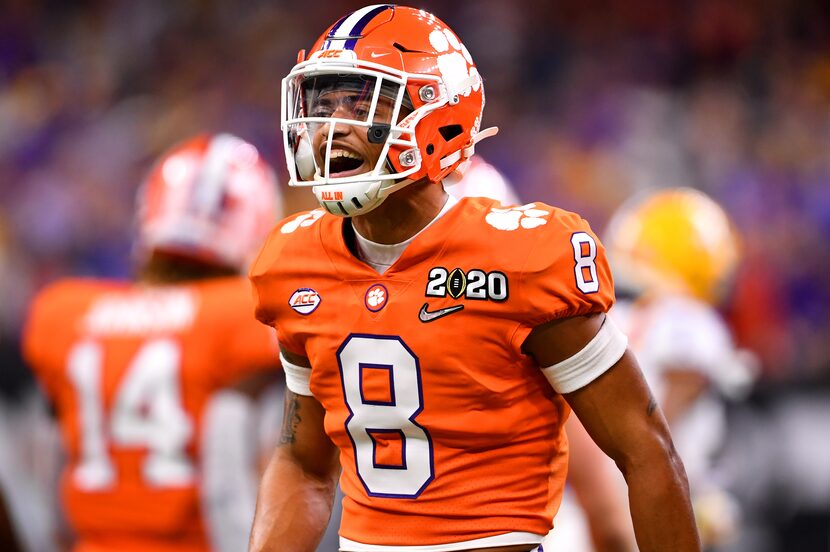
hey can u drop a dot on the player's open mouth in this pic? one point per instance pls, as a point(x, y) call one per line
point(345, 163)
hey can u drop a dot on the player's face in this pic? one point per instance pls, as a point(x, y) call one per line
point(352, 152)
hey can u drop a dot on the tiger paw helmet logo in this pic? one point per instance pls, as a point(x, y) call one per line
point(455, 63)
point(376, 297)
point(513, 218)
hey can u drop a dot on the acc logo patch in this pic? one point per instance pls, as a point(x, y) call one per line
point(376, 297)
point(305, 301)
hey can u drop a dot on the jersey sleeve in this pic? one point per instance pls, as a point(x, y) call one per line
point(270, 296)
point(262, 281)
point(32, 338)
point(565, 274)
point(252, 345)
point(248, 347)
point(41, 332)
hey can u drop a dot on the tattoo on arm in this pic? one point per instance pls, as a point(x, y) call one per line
point(291, 418)
point(652, 406)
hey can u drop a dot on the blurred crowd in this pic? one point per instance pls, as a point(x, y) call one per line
point(596, 99)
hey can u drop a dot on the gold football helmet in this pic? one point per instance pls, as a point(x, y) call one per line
point(673, 240)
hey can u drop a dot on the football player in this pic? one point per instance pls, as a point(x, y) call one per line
point(30, 457)
point(131, 367)
point(674, 252)
point(433, 348)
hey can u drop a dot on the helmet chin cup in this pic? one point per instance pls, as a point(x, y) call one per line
point(354, 198)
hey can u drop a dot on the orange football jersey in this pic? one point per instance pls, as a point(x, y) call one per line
point(446, 431)
point(129, 369)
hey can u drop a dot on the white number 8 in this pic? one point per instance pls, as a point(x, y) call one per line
point(372, 419)
point(586, 267)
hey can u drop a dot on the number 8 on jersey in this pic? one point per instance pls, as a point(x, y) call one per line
point(393, 453)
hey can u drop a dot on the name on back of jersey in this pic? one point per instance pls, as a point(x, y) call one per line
point(147, 312)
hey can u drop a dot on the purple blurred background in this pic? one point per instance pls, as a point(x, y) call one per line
point(595, 100)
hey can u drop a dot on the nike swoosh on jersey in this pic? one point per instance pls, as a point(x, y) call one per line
point(426, 316)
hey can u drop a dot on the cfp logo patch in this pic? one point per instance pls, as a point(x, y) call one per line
point(474, 284)
point(305, 301)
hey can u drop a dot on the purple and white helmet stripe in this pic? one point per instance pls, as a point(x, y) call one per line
point(344, 33)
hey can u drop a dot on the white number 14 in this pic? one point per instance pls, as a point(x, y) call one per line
point(147, 413)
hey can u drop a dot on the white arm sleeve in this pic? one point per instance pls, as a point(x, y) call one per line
point(600, 354)
point(296, 377)
point(229, 476)
point(30, 463)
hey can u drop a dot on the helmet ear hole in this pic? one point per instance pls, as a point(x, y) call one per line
point(450, 131)
point(430, 149)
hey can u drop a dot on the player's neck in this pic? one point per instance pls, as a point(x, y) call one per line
point(403, 214)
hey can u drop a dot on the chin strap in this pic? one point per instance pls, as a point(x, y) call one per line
point(466, 153)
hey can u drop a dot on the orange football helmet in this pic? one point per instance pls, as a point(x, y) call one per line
point(675, 240)
point(414, 89)
point(212, 198)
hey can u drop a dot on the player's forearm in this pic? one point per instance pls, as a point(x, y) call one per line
point(293, 507)
point(660, 507)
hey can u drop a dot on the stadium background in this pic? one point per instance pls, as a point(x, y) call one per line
point(595, 100)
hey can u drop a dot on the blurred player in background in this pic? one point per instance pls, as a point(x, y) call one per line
point(674, 253)
point(30, 459)
point(8, 537)
point(436, 373)
point(478, 178)
point(131, 367)
point(594, 514)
